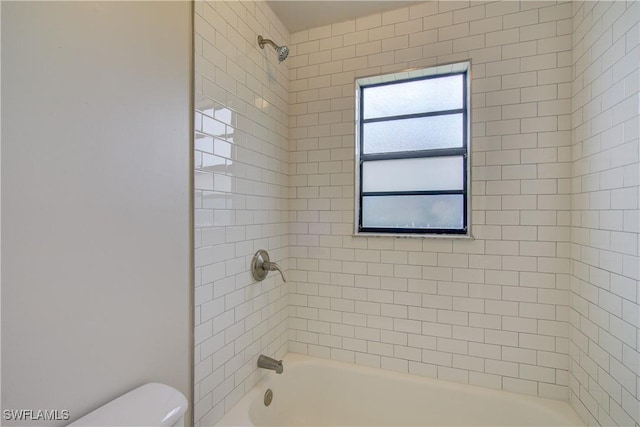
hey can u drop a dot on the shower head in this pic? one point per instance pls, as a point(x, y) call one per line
point(282, 51)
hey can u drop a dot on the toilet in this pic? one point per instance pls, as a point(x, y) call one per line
point(152, 404)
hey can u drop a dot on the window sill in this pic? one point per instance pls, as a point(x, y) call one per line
point(417, 236)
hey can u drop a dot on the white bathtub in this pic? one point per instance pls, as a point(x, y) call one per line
point(318, 392)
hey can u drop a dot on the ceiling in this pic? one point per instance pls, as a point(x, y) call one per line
point(298, 15)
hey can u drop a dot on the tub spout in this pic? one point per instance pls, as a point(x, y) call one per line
point(267, 362)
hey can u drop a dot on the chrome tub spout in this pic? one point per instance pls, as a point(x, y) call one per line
point(267, 362)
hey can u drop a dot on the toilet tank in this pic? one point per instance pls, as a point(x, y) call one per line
point(152, 404)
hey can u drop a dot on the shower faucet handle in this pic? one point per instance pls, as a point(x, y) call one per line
point(272, 266)
point(261, 265)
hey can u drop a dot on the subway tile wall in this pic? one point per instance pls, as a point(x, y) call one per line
point(605, 316)
point(543, 301)
point(491, 311)
point(241, 199)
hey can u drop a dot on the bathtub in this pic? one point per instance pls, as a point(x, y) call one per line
point(319, 392)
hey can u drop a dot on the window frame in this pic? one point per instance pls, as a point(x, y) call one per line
point(439, 71)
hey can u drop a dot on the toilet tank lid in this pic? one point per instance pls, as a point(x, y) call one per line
point(152, 404)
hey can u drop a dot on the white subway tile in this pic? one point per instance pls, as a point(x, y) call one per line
point(523, 161)
point(520, 386)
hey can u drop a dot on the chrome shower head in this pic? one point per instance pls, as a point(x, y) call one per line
point(282, 51)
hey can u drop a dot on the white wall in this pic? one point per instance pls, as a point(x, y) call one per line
point(0, 211)
point(95, 201)
point(241, 199)
point(605, 315)
point(490, 311)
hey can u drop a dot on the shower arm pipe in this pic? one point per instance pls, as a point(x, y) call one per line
point(282, 51)
point(262, 41)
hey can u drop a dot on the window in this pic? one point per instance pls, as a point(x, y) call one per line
point(412, 152)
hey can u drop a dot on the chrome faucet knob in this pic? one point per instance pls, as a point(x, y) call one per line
point(261, 265)
point(272, 266)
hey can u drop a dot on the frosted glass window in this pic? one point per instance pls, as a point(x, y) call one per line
point(413, 212)
point(419, 96)
point(428, 173)
point(412, 154)
point(413, 134)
